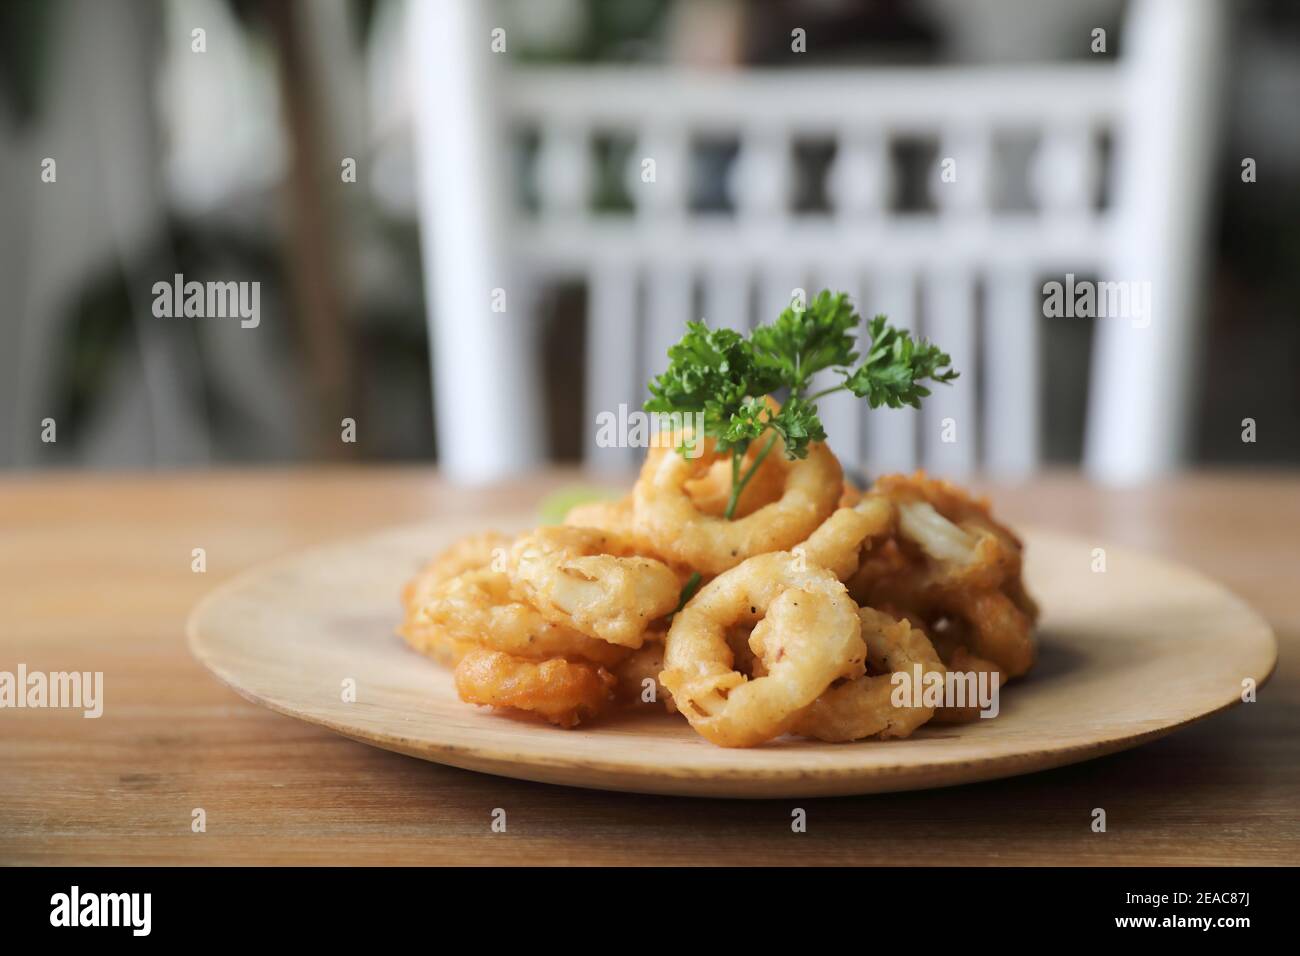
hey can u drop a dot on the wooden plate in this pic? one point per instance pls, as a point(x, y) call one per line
point(1128, 655)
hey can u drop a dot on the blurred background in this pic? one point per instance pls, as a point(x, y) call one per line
point(476, 225)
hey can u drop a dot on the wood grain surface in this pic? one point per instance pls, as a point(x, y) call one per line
point(95, 574)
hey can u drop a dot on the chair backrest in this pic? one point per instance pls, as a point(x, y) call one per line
point(964, 269)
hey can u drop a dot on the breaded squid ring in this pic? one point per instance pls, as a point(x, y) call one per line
point(467, 554)
point(955, 529)
point(478, 607)
point(612, 516)
point(962, 661)
point(961, 557)
point(561, 691)
point(949, 640)
point(838, 541)
point(670, 521)
point(995, 627)
point(952, 560)
point(806, 633)
point(711, 492)
point(850, 495)
point(616, 518)
point(473, 551)
point(641, 665)
point(864, 707)
point(999, 631)
point(593, 581)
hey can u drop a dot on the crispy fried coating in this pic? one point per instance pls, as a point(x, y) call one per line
point(865, 706)
point(593, 581)
point(806, 633)
point(612, 516)
point(960, 660)
point(850, 495)
point(467, 554)
point(479, 607)
point(951, 560)
point(560, 691)
point(564, 622)
point(642, 665)
point(668, 518)
point(838, 542)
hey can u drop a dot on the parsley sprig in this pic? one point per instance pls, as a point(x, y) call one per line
point(727, 378)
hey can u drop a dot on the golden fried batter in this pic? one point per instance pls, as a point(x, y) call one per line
point(669, 519)
point(561, 691)
point(479, 607)
point(864, 707)
point(593, 581)
point(951, 559)
point(467, 554)
point(806, 632)
point(565, 621)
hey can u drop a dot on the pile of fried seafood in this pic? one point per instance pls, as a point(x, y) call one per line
point(809, 599)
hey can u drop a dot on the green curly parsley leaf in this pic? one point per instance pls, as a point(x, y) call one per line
point(895, 366)
point(728, 378)
point(713, 371)
point(802, 342)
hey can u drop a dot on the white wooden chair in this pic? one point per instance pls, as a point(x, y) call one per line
point(966, 273)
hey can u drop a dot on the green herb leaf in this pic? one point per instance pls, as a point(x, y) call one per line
point(798, 425)
point(894, 367)
point(713, 371)
point(728, 378)
point(802, 342)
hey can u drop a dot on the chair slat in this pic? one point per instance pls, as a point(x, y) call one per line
point(891, 432)
point(842, 413)
point(726, 298)
point(1012, 373)
point(949, 423)
point(611, 360)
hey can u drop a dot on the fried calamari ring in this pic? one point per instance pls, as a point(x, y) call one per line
point(999, 631)
point(948, 638)
point(953, 501)
point(474, 551)
point(1014, 588)
point(961, 661)
point(996, 628)
point(952, 560)
point(612, 516)
point(479, 607)
point(561, 691)
point(806, 633)
point(593, 581)
point(864, 707)
point(711, 492)
point(616, 518)
point(467, 554)
point(959, 557)
point(670, 521)
point(743, 657)
point(838, 541)
point(954, 529)
point(850, 495)
point(644, 664)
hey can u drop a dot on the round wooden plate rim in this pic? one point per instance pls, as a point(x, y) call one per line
point(532, 765)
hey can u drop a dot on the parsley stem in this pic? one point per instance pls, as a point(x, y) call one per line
point(826, 391)
point(737, 487)
point(688, 589)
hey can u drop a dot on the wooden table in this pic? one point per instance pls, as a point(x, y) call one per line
point(95, 574)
